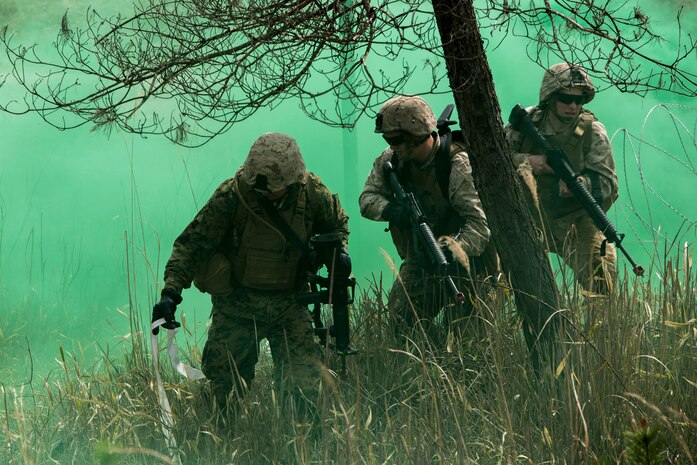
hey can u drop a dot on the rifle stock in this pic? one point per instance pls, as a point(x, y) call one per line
point(423, 230)
point(444, 122)
point(559, 162)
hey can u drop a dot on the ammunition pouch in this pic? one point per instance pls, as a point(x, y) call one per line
point(214, 275)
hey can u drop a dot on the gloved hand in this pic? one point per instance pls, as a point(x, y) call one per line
point(396, 214)
point(452, 249)
point(448, 253)
point(165, 308)
point(342, 262)
point(343, 265)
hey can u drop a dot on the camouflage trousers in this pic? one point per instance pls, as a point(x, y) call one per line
point(577, 240)
point(239, 322)
point(417, 297)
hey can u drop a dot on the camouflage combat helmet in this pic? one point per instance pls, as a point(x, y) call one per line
point(564, 76)
point(407, 114)
point(274, 162)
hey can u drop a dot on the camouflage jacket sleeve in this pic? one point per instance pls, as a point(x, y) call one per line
point(515, 139)
point(201, 237)
point(599, 160)
point(376, 193)
point(464, 199)
point(326, 212)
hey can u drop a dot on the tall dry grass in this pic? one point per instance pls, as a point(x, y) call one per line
point(628, 367)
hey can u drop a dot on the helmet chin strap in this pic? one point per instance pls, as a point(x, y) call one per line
point(565, 120)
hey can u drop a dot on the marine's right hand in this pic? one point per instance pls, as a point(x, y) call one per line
point(343, 266)
point(165, 308)
point(539, 164)
point(397, 215)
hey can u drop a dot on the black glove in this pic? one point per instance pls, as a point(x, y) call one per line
point(397, 215)
point(342, 262)
point(343, 265)
point(165, 308)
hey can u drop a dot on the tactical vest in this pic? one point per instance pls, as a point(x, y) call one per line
point(575, 143)
point(262, 258)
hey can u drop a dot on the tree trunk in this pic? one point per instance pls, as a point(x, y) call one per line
point(522, 255)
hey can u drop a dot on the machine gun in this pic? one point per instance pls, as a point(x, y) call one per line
point(422, 230)
point(337, 289)
point(558, 161)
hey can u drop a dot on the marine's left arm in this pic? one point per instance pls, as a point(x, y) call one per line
point(475, 233)
point(376, 194)
point(514, 139)
point(599, 167)
point(200, 237)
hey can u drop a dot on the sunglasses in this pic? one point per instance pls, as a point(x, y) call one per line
point(567, 99)
point(395, 140)
point(402, 138)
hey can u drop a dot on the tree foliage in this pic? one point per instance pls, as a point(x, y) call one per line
point(190, 69)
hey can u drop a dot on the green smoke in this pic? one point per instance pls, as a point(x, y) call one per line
point(84, 218)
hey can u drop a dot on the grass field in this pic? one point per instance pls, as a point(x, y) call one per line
point(623, 391)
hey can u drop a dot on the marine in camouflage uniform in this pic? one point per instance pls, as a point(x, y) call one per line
point(562, 120)
point(409, 126)
point(234, 250)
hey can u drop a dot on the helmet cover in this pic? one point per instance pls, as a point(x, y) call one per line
point(407, 114)
point(273, 163)
point(565, 76)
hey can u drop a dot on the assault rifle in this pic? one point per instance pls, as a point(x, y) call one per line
point(422, 230)
point(337, 289)
point(558, 161)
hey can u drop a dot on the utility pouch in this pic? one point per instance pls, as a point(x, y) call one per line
point(268, 270)
point(214, 275)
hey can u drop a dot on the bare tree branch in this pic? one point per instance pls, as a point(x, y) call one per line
point(191, 69)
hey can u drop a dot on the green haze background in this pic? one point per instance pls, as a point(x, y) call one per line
point(84, 218)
